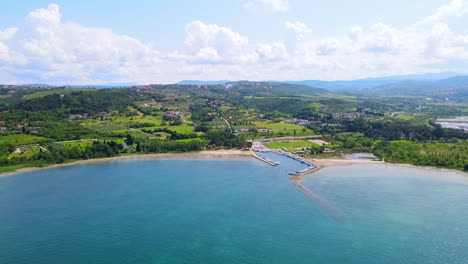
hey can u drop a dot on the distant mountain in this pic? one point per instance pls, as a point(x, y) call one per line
point(195, 82)
point(38, 85)
point(373, 82)
point(454, 88)
point(104, 86)
point(247, 88)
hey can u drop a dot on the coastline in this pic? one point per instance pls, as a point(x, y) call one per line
point(320, 163)
point(154, 156)
point(346, 162)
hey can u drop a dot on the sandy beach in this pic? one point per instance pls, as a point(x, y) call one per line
point(187, 155)
point(320, 163)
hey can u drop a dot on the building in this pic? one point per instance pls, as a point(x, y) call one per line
point(241, 130)
point(172, 114)
point(34, 130)
point(297, 121)
point(2, 130)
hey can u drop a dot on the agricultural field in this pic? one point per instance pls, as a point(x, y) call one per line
point(284, 129)
point(55, 91)
point(22, 139)
point(290, 146)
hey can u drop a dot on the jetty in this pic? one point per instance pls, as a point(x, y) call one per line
point(297, 177)
point(266, 160)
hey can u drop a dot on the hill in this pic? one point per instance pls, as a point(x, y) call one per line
point(454, 88)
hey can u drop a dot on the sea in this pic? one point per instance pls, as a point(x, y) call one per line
point(232, 210)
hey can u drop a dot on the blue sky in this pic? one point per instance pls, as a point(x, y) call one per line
point(166, 41)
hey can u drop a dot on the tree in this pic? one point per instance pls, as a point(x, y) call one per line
point(465, 167)
point(129, 140)
point(138, 147)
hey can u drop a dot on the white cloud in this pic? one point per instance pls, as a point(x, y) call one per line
point(212, 43)
point(65, 52)
point(457, 8)
point(355, 33)
point(327, 47)
point(8, 34)
point(271, 5)
point(51, 49)
point(297, 27)
point(272, 52)
point(224, 39)
point(382, 39)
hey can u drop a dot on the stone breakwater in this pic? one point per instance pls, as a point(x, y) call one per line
point(297, 177)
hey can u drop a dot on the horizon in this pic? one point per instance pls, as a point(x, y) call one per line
point(58, 43)
point(398, 78)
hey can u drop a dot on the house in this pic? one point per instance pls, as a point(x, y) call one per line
point(2, 130)
point(241, 130)
point(172, 114)
point(2, 122)
point(78, 116)
point(263, 130)
point(297, 121)
point(34, 130)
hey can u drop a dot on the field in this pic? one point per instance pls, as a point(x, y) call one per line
point(22, 139)
point(285, 129)
point(290, 146)
point(54, 91)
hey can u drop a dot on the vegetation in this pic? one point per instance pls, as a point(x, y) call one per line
point(41, 126)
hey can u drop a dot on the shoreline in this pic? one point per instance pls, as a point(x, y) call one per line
point(346, 162)
point(319, 163)
point(153, 156)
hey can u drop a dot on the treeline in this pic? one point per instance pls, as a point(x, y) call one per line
point(290, 106)
point(163, 146)
point(225, 138)
point(449, 155)
point(55, 153)
point(173, 134)
point(400, 129)
point(82, 102)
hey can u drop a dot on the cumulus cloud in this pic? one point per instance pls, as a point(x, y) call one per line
point(272, 52)
point(297, 27)
point(68, 52)
point(382, 39)
point(456, 8)
point(212, 43)
point(355, 33)
point(51, 49)
point(223, 39)
point(327, 47)
point(271, 5)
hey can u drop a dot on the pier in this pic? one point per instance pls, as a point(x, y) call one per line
point(297, 177)
point(266, 160)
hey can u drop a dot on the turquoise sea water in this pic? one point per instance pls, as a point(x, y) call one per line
point(237, 210)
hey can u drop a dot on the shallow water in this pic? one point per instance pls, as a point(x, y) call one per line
point(232, 211)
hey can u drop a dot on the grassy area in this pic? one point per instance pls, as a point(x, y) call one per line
point(285, 128)
point(405, 117)
point(22, 139)
point(54, 91)
point(182, 129)
point(11, 168)
point(290, 146)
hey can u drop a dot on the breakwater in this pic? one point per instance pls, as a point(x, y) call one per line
point(297, 177)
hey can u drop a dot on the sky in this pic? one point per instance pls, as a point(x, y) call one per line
point(153, 41)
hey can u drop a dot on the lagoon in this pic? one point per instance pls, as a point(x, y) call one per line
point(232, 210)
